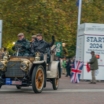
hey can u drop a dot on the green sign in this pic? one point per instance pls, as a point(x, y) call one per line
point(58, 49)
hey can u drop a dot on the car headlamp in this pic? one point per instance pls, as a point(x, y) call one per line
point(3, 65)
point(24, 66)
point(6, 56)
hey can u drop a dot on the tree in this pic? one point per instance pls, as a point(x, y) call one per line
point(49, 17)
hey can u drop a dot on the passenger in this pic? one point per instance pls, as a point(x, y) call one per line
point(33, 39)
point(40, 45)
point(22, 46)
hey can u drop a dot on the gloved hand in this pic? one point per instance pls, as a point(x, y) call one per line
point(53, 38)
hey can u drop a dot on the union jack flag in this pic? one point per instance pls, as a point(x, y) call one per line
point(76, 71)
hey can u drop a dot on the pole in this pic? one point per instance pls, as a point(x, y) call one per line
point(1, 33)
point(79, 12)
point(78, 23)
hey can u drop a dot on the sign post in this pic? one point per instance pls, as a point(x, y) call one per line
point(58, 49)
point(1, 33)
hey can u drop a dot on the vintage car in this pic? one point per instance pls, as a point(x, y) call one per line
point(30, 71)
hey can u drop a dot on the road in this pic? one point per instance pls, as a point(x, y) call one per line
point(68, 93)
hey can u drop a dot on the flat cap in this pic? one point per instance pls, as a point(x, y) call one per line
point(20, 34)
point(33, 36)
point(39, 34)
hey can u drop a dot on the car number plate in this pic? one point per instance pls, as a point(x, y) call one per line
point(16, 82)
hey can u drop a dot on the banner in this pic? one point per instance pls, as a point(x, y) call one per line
point(58, 49)
point(94, 43)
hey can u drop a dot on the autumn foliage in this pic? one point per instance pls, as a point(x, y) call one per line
point(49, 17)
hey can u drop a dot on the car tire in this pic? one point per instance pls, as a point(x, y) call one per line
point(38, 79)
point(55, 82)
point(18, 87)
point(0, 86)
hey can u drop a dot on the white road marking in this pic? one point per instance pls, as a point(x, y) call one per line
point(78, 90)
point(53, 91)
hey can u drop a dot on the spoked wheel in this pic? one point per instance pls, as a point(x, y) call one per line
point(18, 87)
point(55, 82)
point(38, 78)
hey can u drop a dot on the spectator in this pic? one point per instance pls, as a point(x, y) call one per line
point(68, 67)
point(93, 66)
point(64, 66)
point(72, 62)
point(61, 64)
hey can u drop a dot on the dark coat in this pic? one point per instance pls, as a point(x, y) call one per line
point(32, 47)
point(68, 64)
point(68, 67)
point(24, 47)
point(93, 63)
point(41, 45)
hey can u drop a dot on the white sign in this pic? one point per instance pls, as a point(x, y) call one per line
point(91, 38)
point(96, 44)
point(0, 33)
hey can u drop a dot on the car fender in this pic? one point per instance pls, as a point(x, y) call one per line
point(38, 62)
point(35, 63)
point(52, 73)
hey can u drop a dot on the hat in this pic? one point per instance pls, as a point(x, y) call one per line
point(20, 34)
point(39, 34)
point(33, 36)
point(92, 52)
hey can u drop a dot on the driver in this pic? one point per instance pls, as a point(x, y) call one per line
point(22, 46)
point(40, 45)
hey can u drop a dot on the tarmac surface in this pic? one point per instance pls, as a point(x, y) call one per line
point(68, 93)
